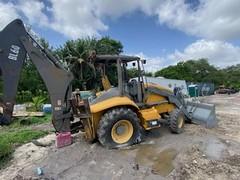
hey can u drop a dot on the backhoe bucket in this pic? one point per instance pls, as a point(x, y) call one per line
point(202, 113)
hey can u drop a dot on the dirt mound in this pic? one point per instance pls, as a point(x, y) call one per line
point(194, 164)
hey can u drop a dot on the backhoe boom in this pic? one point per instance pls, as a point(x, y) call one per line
point(15, 44)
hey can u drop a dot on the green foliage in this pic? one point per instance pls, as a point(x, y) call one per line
point(30, 79)
point(191, 70)
point(24, 96)
point(38, 101)
point(106, 45)
point(201, 71)
point(21, 136)
point(10, 139)
point(111, 72)
point(26, 121)
point(75, 54)
point(19, 133)
point(31, 83)
point(232, 75)
point(149, 74)
point(27, 96)
point(132, 72)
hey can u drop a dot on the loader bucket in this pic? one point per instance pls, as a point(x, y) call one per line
point(202, 113)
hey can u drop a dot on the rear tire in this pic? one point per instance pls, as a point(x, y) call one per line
point(176, 121)
point(110, 133)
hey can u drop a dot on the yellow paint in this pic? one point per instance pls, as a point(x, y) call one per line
point(148, 115)
point(106, 83)
point(145, 115)
point(89, 130)
point(161, 108)
point(99, 93)
point(112, 102)
point(151, 98)
point(124, 135)
point(165, 108)
point(100, 108)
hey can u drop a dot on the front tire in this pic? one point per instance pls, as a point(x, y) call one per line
point(119, 127)
point(177, 121)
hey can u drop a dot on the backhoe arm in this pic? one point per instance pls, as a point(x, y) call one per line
point(15, 44)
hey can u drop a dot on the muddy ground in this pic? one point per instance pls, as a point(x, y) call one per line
point(198, 153)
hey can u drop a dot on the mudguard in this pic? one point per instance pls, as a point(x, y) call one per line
point(112, 102)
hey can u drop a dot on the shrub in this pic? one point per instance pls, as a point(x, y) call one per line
point(38, 101)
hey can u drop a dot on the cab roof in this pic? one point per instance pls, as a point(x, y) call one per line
point(114, 58)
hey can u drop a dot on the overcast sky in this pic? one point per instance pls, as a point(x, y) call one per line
point(162, 31)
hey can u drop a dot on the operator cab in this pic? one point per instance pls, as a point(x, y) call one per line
point(127, 85)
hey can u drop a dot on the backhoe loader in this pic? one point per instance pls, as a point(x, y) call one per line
point(116, 116)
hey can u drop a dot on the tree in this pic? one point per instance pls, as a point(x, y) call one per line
point(149, 74)
point(30, 79)
point(106, 45)
point(30, 82)
point(194, 71)
point(75, 54)
point(132, 72)
point(232, 75)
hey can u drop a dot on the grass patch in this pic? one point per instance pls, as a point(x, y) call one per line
point(19, 133)
point(10, 140)
point(25, 121)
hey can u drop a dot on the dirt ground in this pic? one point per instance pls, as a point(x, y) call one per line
point(198, 153)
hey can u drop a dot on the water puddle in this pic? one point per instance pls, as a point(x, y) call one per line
point(161, 163)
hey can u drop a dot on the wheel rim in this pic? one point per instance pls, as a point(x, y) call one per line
point(122, 131)
point(180, 122)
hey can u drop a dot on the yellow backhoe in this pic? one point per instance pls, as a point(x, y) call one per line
point(116, 116)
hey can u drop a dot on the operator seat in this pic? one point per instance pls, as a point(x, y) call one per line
point(133, 89)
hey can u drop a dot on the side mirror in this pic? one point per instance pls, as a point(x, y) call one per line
point(134, 64)
point(144, 61)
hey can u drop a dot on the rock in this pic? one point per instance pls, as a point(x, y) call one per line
point(41, 144)
point(93, 146)
point(39, 171)
point(195, 162)
point(92, 162)
point(136, 167)
point(45, 141)
point(231, 153)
